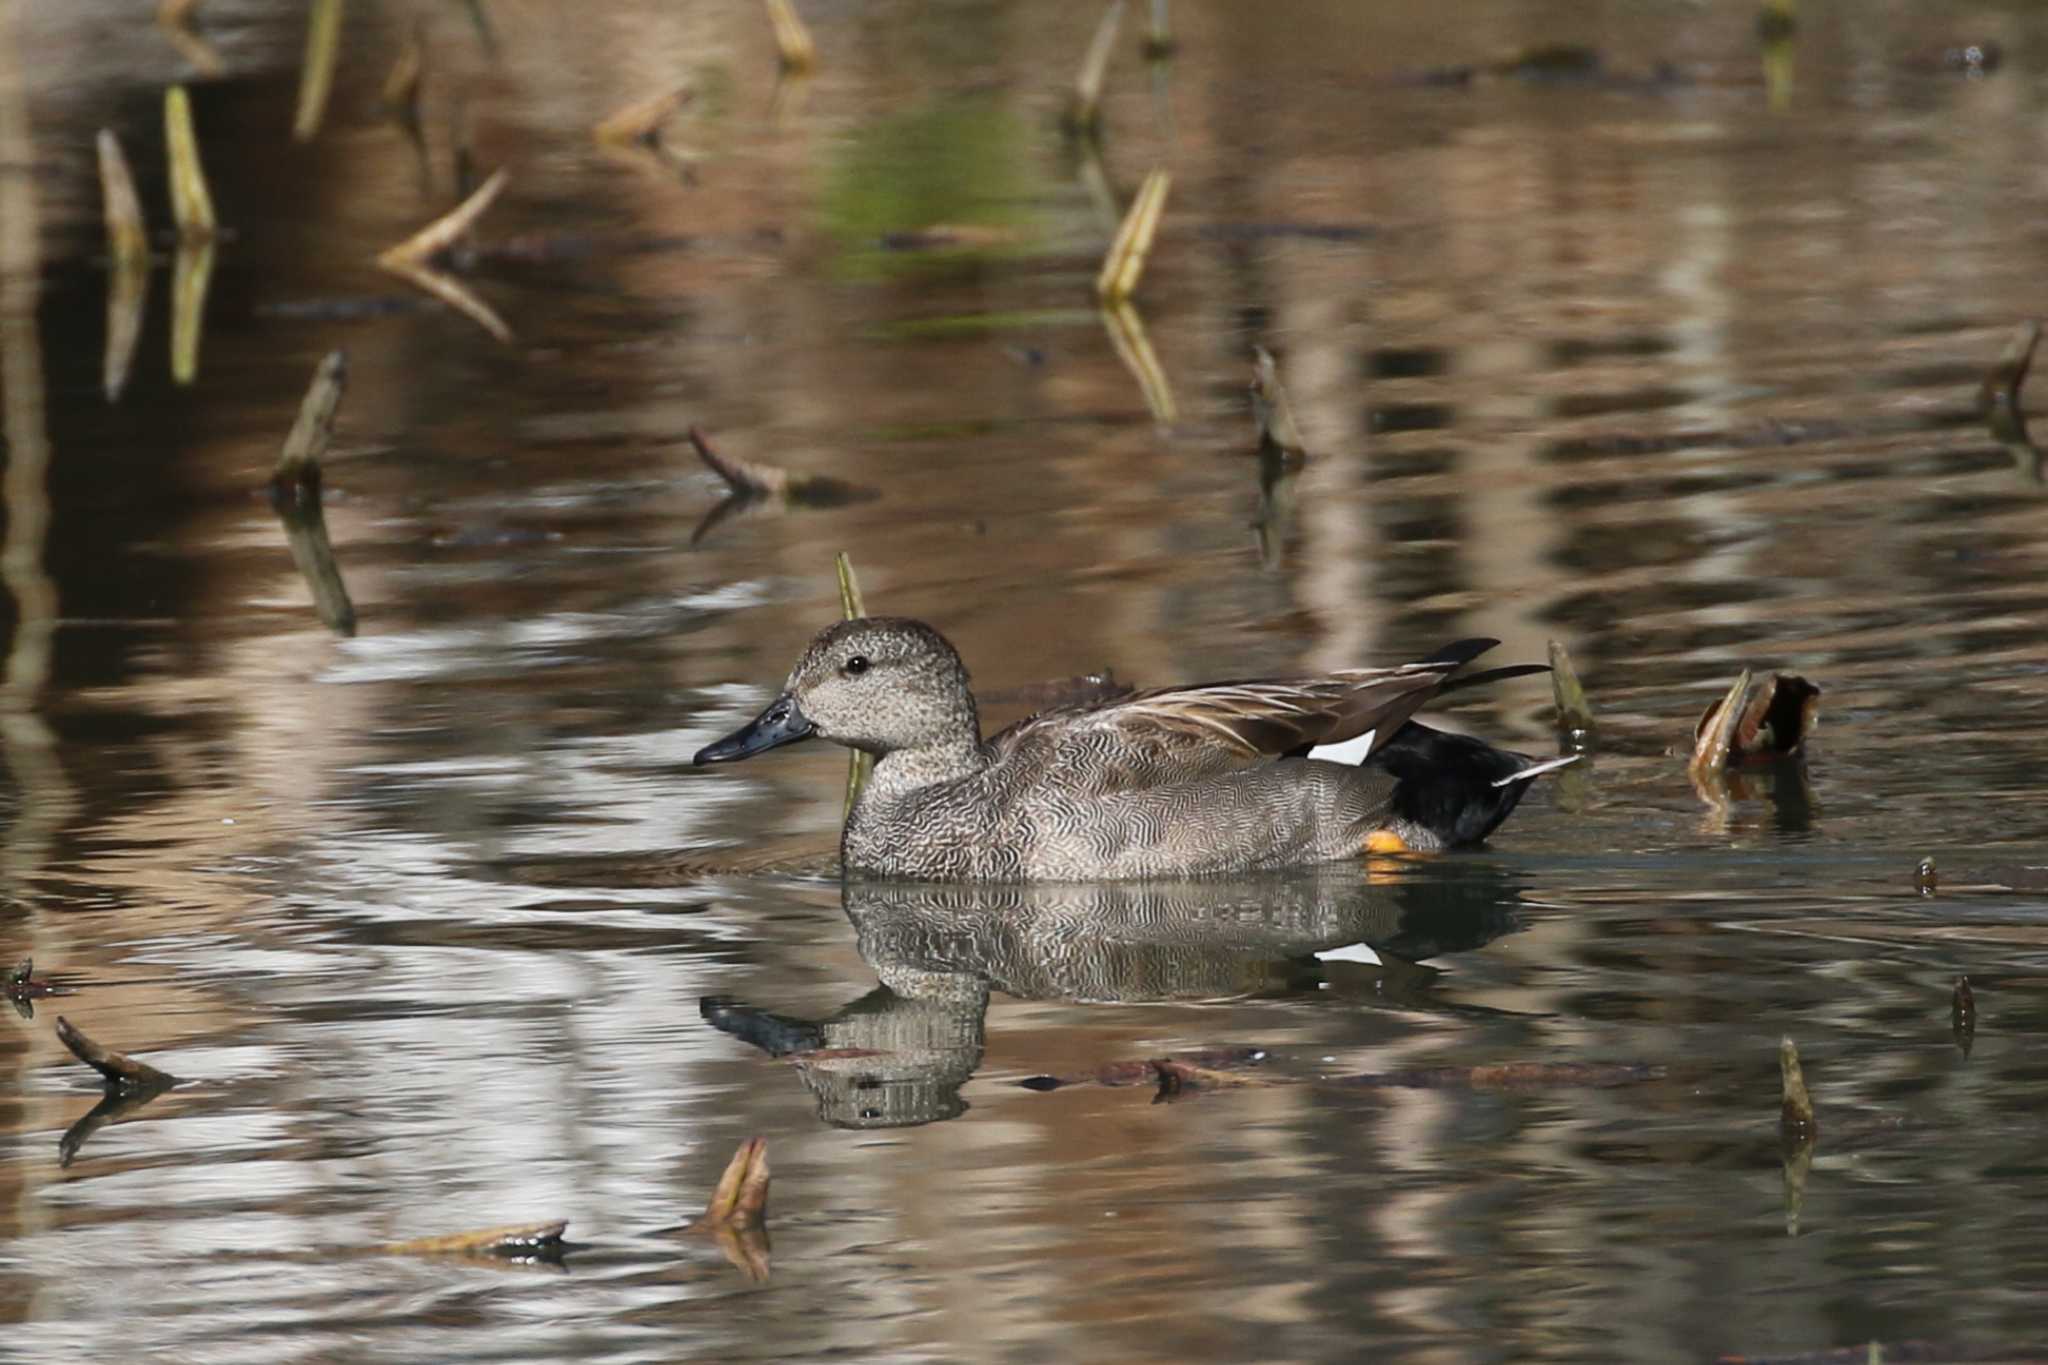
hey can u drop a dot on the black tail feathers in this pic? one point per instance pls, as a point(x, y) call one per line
point(1456, 787)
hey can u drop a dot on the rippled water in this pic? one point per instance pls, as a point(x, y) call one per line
point(442, 931)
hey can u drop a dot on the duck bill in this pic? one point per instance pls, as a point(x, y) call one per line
point(782, 723)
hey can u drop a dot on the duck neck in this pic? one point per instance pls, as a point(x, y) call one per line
point(902, 772)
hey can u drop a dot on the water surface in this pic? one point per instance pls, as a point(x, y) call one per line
point(1648, 363)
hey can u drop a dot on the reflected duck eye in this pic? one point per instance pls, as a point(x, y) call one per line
point(858, 664)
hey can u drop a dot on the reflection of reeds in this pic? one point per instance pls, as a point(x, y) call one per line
point(792, 40)
point(1276, 508)
point(858, 763)
point(481, 22)
point(191, 275)
point(1798, 1157)
point(191, 204)
point(174, 18)
point(305, 531)
point(1084, 111)
point(1124, 265)
point(1778, 68)
point(1962, 1014)
point(316, 76)
point(400, 97)
point(1094, 179)
point(1127, 333)
point(115, 1104)
point(456, 295)
point(127, 264)
point(42, 797)
point(401, 92)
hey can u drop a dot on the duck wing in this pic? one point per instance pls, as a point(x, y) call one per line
point(1175, 734)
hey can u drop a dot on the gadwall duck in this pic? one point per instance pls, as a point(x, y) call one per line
point(1179, 781)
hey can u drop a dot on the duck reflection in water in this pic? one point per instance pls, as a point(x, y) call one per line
point(898, 1056)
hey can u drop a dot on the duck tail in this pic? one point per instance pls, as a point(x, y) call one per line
point(1457, 788)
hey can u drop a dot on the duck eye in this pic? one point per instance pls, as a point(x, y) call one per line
point(856, 665)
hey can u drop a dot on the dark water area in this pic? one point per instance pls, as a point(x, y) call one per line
point(1673, 360)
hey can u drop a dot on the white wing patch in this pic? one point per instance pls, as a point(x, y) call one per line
point(1352, 751)
point(1356, 952)
point(1537, 769)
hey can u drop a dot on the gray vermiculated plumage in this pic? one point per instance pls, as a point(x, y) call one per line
point(1182, 781)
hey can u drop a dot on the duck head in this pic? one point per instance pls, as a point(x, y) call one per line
point(878, 683)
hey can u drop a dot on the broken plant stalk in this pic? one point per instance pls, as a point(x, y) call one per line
point(641, 120)
point(439, 236)
point(314, 427)
point(1159, 39)
point(1134, 347)
point(316, 76)
point(413, 259)
point(117, 1068)
point(516, 1240)
point(2001, 386)
point(742, 1193)
point(738, 1213)
point(127, 232)
point(191, 205)
point(1574, 713)
point(858, 763)
point(1124, 264)
point(1273, 410)
point(401, 92)
point(743, 477)
point(1741, 728)
point(1962, 1014)
point(1084, 111)
point(1998, 397)
point(793, 43)
point(1716, 733)
point(1795, 1112)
